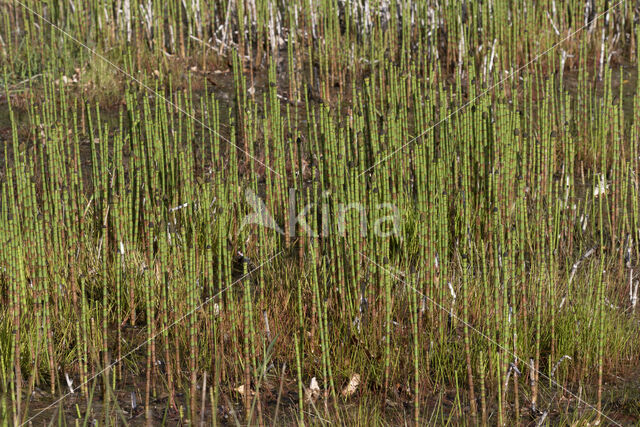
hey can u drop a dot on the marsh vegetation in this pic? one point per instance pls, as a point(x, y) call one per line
point(442, 200)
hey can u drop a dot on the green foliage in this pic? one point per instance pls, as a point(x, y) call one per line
point(467, 174)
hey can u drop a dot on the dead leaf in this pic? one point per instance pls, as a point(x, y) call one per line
point(351, 388)
point(240, 390)
point(311, 394)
